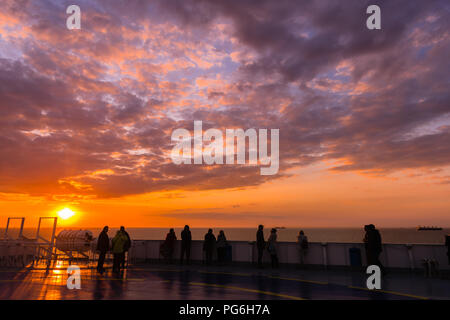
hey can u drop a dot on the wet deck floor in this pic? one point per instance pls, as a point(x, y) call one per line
point(222, 283)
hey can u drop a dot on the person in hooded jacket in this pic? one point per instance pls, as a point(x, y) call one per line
point(373, 246)
point(221, 247)
point(186, 240)
point(119, 243)
point(102, 248)
point(208, 246)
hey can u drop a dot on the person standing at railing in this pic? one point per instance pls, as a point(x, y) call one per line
point(169, 245)
point(272, 248)
point(373, 245)
point(260, 244)
point(127, 246)
point(186, 240)
point(118, 248)
point(221, 247)
point(447, 243)
point(208, 246)
point(302, 243)
point(102, 248)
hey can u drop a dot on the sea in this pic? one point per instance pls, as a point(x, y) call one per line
point(346, 235)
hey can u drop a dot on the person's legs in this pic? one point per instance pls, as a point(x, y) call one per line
point(188, 253)
point(183, 249)
point(304, 253)
point(224, 254)
point(378, 262)
point(101, 261)
point(115, 262)
point(370, 257)
point(221, 255)
point(122, 262)
point(260, 256)
point(118, 257)
point(209, 254)
point(276, 261)
point(170, 255)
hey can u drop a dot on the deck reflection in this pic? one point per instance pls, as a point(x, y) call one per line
point(200, 283)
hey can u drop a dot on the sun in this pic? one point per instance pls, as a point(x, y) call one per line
point(65, 213)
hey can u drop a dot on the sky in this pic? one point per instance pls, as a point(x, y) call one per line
point(86, 116)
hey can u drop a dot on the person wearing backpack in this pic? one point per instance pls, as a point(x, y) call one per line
point(302, 242)
point(126, 247)
point(119, 243)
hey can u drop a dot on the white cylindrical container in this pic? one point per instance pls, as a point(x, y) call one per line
point(74, 240)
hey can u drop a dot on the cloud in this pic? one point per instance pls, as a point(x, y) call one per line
point(76, 107)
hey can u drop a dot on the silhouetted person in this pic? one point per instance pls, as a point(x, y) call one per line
point(447, 243)
point(169, 245)
point(260, 244)
point(186, 240)
point(126, 247)
point(373, 245)
point(208, 246)
point(102, 248)
point(272, 248)
point(221, 247)
point(302, 243)
point(118, 248)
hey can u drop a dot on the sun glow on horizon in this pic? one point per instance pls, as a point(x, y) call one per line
point(66, 213)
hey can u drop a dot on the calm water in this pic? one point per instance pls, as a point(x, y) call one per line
point(389, 235)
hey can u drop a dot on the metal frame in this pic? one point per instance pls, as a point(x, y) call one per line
point(38, 237)
point(21, 226)
point(50, 243)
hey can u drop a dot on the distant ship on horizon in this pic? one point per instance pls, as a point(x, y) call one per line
point(422, 228)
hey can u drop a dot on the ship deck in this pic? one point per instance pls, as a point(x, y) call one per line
point(198, 282)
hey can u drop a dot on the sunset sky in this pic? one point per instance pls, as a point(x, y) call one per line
point(86, 115)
